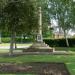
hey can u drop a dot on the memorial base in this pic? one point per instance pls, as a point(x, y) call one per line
point(40, 47)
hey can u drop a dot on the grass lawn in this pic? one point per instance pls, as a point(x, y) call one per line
point(69, 60)
point(65, 48)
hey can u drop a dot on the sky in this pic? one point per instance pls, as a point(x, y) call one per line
point(55, 24)
point(74, 0)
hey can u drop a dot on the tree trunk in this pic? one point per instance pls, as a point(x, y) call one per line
point(21, 38)
point(0, 38)
point(59, 34)
point(34, 38)
point(12, 43)
point(67, 42)
point(15, 40)
point(24, 36)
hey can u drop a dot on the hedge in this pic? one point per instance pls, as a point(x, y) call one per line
point(18, 40)
point(50, 42)
point(5, 39)
point(60, 42)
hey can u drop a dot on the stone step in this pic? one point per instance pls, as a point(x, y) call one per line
point(40, 45)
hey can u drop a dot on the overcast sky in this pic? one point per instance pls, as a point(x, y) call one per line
point(55, 24)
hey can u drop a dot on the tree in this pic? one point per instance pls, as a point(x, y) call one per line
point(19, 17)
point(72, 13)
point(60, 11)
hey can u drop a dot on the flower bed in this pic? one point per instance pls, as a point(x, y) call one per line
point(39, 68)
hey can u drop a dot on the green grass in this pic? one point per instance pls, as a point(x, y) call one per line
point(17, 74)
point(65, 48)
point(69, 60)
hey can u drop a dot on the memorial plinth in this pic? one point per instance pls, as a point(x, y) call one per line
point(39, 47)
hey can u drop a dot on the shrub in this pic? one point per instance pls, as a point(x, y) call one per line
point(19, 40)
point(5, 39)
point(60, 42)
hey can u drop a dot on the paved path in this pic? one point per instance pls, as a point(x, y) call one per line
point(5, 49)
point(8, 47)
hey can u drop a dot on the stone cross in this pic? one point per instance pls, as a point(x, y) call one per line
point(39, 36)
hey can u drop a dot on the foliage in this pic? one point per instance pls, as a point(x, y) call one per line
point(5, 40)
point(18, 40)
point(63, 12)
point(50, 42)
point(19, 16)
point(60, 42)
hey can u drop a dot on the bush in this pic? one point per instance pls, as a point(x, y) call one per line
point(60, 42)
point(19, 40)
point(5, 39)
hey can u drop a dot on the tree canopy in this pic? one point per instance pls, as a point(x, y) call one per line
point(19, 16)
